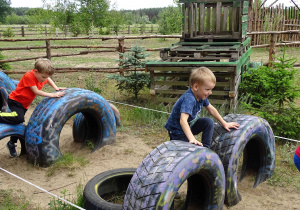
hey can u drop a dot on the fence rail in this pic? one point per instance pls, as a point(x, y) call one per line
point(47, 30)
point(120, 48)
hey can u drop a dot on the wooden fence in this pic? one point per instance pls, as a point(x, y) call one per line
point(47, 30)
point(120, 48)
point(278, 18)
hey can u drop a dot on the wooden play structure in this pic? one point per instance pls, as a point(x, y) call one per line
point(214, 36)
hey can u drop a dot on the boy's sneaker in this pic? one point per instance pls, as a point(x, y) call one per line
point(12, 149)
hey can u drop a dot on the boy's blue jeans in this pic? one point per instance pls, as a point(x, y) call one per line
point(204, 125)
point(297, 161)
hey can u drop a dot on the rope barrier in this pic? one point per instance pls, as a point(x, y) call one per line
point(42, 189)
point(170, 113)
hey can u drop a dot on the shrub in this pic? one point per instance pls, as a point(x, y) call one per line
point(8, 32)
point(273, 91)
point(132, 82)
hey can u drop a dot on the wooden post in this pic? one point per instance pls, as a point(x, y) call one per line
point(56, 32)
point(46, 33)
point(22, 31)
point(66, 31)
point(128, 29)
point(121, 49)
point(272, 49)
point(48, 49)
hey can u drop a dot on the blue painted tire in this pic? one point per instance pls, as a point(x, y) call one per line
point(50, 115)
point(80, 125)
point(164, 170)
point(7, 85)
point(254, 141)
point(17, 130)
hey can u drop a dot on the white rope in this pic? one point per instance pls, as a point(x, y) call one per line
point(139, 107)
point(42, 189)
point(287, 139)
point(170, 113)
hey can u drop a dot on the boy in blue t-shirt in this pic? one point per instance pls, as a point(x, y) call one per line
point(184, 121)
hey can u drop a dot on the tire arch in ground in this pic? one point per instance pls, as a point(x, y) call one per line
point(109, 182)
point(164, 170)
point(255, 140)
point(7, 85)
point(50, 115)
point(17, 130)
point(80, 125)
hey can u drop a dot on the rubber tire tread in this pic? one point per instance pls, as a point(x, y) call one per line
point(162, 172)
point(230, 145)
point(50, 115)
point(112, 181)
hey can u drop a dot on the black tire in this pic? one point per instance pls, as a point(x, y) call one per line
point(110, 182)
point(255, 141)
point(17, 130)
point(167, 167)
point(48, 118)
point(80, 125)
point(7, 85)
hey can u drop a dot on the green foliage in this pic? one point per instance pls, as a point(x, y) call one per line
point(94, 85)
point(57, 204)
point(273, 92)
point(170, 20)
point(116, 20)
point(4, 66)
point(132, 82)
point(266, 84)
point(4, 9)
point(8, 32)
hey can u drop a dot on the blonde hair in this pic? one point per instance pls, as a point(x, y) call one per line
point(44, 66)
point(200, 75)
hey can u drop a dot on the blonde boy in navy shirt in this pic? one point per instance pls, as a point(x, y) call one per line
point(184, 122)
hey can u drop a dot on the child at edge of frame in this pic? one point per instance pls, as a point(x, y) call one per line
point(28, 88)
point(184, 122)
point(297, 158)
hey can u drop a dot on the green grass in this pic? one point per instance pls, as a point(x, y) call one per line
point(68, 162)
point(10, 199)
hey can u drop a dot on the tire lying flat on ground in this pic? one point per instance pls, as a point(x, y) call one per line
point(50, 115)
point(108, 183)
point(255, 141)
point(166, 168)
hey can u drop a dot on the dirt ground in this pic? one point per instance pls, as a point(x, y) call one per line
point(127, 152)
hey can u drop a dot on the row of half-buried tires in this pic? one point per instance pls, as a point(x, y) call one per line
point(95, 121)
point(211, 174)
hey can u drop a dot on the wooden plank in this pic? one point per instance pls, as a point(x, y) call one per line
point(218, 17)
point(191, 20)
point(195, 16)
point(230, 19)
point(208, 19)
point(224, 27)
point(173, 100)
point(180, 92)
point(214, 19)
point(186, 83)
point(201, 18)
